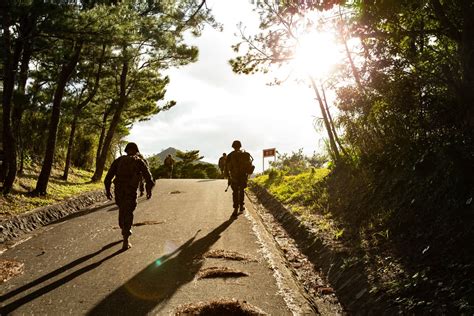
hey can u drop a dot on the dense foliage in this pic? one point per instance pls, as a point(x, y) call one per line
point(77, 74)
point(405, 104)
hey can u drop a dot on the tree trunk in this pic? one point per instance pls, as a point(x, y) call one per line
point(70, 146)
point(101, 139)
point(66, 71)
point(78, 111)
point(22, 160)
point(21, 105)
point(113, 124)
point(9, 69)
point(27, 32)
point(332, 143)
point(331, 122)
point(355, 71)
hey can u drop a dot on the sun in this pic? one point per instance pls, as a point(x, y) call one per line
point(316, 54)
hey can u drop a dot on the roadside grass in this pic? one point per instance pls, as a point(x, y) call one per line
point(410, 231)
point(304, 195)
point(292, 188)
point(19, 201)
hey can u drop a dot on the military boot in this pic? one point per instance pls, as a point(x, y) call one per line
point(126, 244)
point(235, 212)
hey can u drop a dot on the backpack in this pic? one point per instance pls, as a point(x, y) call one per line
point(128, 170)
point(243, 162)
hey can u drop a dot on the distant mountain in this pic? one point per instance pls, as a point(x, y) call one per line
point(172, 151)
point(169, 151)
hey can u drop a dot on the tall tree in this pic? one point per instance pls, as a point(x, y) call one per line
point(188, 161)
point(156, 43)
point(89, 90)
point(90, 23)
point(42, 45)
point(281, 29)
point(11, 56)
point(64, 75)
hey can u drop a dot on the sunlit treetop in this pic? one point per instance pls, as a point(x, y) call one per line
point(304, 41)
point(300, 6)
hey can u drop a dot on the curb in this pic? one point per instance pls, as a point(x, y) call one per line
point(348, 281)
point(27, 222)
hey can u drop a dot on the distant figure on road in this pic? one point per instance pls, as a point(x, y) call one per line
point(127, 171)
point(169, 164)
point(222, 164)
point(141, 186)
point(238, 168)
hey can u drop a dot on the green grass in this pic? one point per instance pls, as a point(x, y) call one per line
point(298, 189)
point(19, 201)
point(305, 195)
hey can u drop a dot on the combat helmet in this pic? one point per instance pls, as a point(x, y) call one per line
point(131, 146)
point(236, 144)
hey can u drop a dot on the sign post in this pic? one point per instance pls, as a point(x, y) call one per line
point(270, 152)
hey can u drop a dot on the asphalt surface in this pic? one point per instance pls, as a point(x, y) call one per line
point(76, 266)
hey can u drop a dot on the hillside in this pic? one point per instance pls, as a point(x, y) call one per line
point(172, 151)
point(162, 155)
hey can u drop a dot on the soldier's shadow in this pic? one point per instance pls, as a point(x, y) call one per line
point(160, 280)
point(47, 287)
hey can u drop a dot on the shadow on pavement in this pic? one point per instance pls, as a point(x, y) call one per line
point(45, 289)
point(160, 280)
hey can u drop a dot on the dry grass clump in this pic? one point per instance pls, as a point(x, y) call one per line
point(220, 307)
point(9, 269)
point(220, 272)
point(227, 254)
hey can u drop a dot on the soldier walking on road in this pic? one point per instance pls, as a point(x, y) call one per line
point(141, 186)
point(238, 168)
point(127, 171)
point(169, 164)
point(221, 164)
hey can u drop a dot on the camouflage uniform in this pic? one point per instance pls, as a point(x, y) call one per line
point(222, 163)
point(169, 163)
point(127, 171)
point(238, 178)
point(141, 186)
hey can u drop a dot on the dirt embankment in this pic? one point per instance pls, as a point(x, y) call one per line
point(13, 227)
point(340, 267)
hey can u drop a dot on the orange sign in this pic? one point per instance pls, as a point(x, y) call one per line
point(271, 152)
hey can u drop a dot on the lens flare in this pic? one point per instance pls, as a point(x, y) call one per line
point(150, 284)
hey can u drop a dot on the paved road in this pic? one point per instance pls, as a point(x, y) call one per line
point(75, 266)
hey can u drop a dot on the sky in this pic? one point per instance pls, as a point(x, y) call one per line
point(216, 106)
